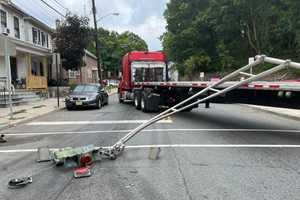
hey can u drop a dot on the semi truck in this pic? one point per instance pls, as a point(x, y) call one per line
point(145, 83)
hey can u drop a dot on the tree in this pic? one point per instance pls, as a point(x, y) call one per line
point(230, 31)
point(71, 39)
point(114, 46)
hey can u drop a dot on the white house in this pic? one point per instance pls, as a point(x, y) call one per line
point(33, 42)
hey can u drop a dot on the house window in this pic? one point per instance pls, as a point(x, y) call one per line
point(73, 74)
point(34, 35)
point(39, 36)
point(47, 41)
point(3, 18)
point(17, 27)
point(44, 39)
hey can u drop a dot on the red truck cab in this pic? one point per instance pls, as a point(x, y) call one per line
point(141, 66)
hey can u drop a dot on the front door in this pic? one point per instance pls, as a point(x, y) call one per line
point(14, 72)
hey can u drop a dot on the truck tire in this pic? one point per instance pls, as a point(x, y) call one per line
point(144, 103)
point(150, 102)
point(137, 100)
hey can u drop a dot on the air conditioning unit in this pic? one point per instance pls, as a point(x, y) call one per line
point(5, 31)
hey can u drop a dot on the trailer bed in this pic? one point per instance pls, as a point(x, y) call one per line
point(259, 85)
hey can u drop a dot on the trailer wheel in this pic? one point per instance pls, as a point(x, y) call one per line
point(137, 100)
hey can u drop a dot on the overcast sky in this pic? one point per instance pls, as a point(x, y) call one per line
point(142, 17)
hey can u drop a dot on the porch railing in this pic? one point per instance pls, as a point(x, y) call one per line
point(37, 82)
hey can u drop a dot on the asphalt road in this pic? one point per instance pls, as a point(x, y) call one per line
point(203, 171)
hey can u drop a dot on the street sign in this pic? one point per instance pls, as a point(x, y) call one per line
point(56, 58)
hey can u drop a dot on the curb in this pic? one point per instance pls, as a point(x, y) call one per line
point(35, 117)
point(271, 112)
point(28, 119)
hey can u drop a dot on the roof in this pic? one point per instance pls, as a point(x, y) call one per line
point(88, 53)
point(9, 4)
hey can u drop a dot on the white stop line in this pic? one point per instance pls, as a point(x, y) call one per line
point(177, 146)
point(55, 123)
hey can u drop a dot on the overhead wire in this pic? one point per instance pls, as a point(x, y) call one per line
point(54, 9)
point(61, 5)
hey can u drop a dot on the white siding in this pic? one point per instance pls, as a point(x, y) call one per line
point(25, 27)
point(2, 66)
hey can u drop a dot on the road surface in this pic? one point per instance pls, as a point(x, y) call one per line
point(226, 152)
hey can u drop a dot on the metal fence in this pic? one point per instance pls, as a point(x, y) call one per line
point(3, 90)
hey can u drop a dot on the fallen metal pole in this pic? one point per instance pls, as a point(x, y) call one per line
point(154, 119)
point(282, 64)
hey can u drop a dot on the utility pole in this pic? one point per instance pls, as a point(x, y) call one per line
point(8, 68)
point(97, 43)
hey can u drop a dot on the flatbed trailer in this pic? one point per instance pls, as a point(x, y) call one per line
point(145, 82)
point(291, 86)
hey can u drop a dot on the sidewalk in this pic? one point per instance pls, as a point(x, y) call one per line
point(33, 110)
point(285, 112)
point(29, 111)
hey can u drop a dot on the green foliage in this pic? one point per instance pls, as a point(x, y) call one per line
point(230, 31)
point(114, 46)
point(71, 39)
point(197, 63)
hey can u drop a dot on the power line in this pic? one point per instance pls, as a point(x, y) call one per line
point(61, 5)
point(51, 7)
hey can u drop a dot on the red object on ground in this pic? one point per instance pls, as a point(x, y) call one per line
point(82, 172)
point(86, 159)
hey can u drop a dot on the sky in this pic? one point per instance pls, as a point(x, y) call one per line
point(143, 17)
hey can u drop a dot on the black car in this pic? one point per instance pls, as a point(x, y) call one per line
point(87, 95)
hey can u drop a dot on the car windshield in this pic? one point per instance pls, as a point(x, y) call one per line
point(86, 89)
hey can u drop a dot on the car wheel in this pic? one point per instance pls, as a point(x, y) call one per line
point(120, 99)
point(69, 108)
point(99, 104)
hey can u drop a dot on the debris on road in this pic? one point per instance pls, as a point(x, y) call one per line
point(75, 157)
point(129, 186)
point(44, 154)
point(19, 182)
point(134, 171)
point(82, 172)
point(154, 153)
point(2, 139)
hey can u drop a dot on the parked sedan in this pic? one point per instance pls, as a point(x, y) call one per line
point(87, 95)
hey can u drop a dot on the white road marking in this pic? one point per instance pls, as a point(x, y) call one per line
point(183, 131)
point(214, 146)
point(178, 146)
point(94, 122)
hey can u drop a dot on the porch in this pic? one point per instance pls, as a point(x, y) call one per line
point(29, 71)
